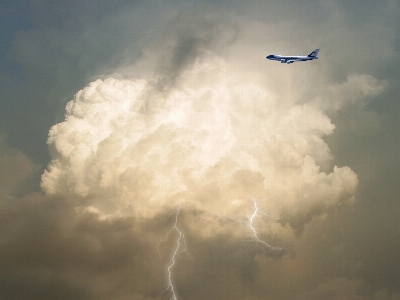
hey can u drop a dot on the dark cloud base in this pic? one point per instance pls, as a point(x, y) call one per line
point(49, 251)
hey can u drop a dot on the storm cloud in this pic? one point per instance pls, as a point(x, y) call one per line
point(284, 174)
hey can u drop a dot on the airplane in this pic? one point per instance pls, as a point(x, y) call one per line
point(292, 59)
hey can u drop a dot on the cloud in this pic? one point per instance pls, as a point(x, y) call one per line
point(15, 169)
point(336, 289)
point(51, 250)
point(188, 39)
point(343, 288)
point(206, 143)
point(358, 89)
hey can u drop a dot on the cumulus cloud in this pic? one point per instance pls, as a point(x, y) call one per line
point(210, 144)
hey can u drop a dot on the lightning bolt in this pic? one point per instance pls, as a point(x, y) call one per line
point(250, 224)
point(250, 221)
point(180, 247)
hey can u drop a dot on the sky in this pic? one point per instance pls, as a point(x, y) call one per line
point(149, 150)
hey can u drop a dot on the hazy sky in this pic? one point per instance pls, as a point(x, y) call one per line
point(148, 150)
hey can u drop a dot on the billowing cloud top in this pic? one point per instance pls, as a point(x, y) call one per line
point(211, 144)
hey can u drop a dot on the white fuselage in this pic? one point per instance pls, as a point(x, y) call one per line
point(290, 59)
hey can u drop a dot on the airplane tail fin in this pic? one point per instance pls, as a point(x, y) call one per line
point(314, 53)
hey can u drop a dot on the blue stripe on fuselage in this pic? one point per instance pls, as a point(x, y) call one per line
point(286, 58)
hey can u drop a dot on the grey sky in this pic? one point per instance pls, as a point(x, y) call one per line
point(56, 239)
